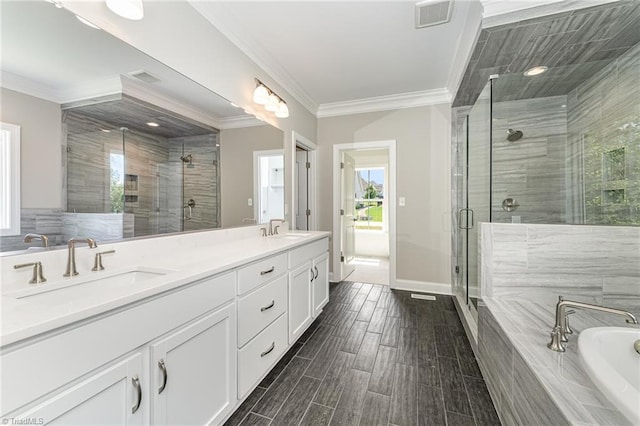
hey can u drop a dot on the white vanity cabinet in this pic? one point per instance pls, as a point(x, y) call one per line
point(308, 285)
point(193, 371)
point(113, 396)
point(105, 369)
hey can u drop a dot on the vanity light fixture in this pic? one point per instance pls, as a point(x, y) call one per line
point(129, 9)
point(535, 71)
point(152, 124)
point(263, 95)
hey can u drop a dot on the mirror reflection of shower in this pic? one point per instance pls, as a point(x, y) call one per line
point(514, 135)
point(188, 159)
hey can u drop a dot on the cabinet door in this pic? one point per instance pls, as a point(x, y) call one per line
point(320, 283)
point(193, 372)
point(299, 300)
point(113, 395)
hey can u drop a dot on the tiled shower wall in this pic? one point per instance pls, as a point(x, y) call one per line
point(595, 264)
point(603, 116)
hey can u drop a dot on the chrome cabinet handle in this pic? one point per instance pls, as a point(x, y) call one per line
point(163, 368)
point(312, 276)
point(268, 351)
point(264, 308)
point(317, 273)
point(136, 383)
point(268, 271)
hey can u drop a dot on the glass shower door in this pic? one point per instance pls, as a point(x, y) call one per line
point(476, 194)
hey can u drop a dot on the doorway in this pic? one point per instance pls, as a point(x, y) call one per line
point(268, 186)
point(365, 213)
point(304, 184)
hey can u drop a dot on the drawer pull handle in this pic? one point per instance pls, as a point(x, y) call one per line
point(312, 276)
point(264, 308)
point(316, 268)
point(136, 383)
point(268, 351)
point(268, 271)
point(163, 368)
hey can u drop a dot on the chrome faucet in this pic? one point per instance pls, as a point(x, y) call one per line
point(272, 230)
point(30, 237)
point(558, 334)
point(71, 260)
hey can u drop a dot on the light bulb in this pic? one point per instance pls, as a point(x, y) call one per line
point(272, 103)
point(260, 95)
point(130, 9)
point(283, 110)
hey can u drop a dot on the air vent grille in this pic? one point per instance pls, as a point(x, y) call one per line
point(144, 76)
point(430, 13)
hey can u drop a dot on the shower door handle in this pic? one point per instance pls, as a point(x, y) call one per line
point(469, 217)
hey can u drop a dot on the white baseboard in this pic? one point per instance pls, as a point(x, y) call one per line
point(422, 286)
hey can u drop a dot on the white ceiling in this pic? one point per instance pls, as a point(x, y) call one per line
point(336, 51)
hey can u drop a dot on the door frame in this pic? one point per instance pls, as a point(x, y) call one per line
point(312, 194)
point(256, 177)
point(390, 145)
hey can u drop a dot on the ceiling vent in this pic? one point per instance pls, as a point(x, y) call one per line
point(433, 12)
point(142, 75)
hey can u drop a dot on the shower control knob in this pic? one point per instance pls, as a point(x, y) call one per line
point(510, 204)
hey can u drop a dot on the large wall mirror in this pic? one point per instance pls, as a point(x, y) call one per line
point(115, 144)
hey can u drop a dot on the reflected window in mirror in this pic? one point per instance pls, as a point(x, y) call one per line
point(9, 179)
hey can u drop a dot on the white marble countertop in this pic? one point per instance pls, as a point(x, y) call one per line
point(179, 262)
point(528, 325)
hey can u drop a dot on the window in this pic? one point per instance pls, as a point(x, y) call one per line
point(9, 179)
point(370, 205)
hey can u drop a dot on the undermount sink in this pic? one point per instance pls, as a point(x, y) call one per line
point(295, 236)
point(92, 285)
point(609, 358)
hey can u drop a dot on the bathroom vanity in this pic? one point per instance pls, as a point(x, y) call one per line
point(180, 332)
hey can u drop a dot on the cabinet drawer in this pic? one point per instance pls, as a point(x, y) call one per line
point(307, 252)
point(258, 273)
point(258, 309)
point(260, 354)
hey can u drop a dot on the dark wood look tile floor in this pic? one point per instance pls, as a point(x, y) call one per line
point(375, 357)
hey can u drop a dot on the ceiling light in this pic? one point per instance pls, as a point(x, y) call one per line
point(272, 103)
point(260, 95)
point(130, 9)
point(535, 71)
point(152, 124)
point(87, 23)
point(283, 110)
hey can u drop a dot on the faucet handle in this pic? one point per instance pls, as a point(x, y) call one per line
point(38, 276)
point(567, 327)
point(97, 264)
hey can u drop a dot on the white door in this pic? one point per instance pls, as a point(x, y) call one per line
point(111, 396)
point(302, 190)
point(320, 283)
point(193, 380)
point(348, 243)
point(299, 300)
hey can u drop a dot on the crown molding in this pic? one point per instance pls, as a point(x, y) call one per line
point(257, 54)
point(240, 121)
point(67, 95)
point(385, 103)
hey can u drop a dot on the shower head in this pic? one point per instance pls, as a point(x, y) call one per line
point(514, 135)
point(187, 158)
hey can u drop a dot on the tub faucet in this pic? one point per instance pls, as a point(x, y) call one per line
point(30, 237)
point(558, 334)
point(71, 260)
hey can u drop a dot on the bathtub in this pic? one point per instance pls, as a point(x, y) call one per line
point(609, 358)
